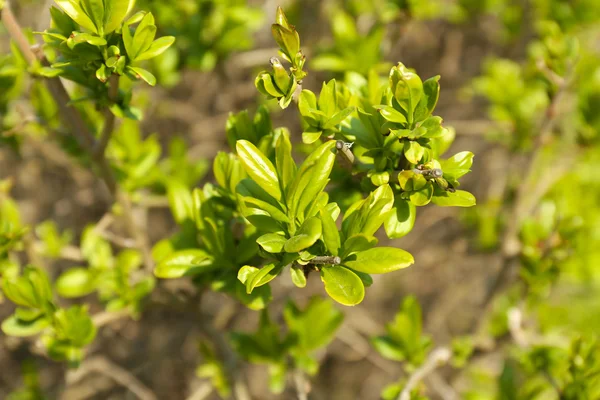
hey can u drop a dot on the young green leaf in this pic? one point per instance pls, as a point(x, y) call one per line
point(343, 285)
point(259, 168)
point(401, 221)
point(75, 282)
point(307, 235)
point(183, 262)
point(74, 10)
point(115, 13)
point(157, 47)
point(254, 277)
point(380, 260)
point(459, 198)
point(272, 242)
point(331, 235)
point(298, 276)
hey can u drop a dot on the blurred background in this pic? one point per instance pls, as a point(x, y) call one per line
point(502, 65)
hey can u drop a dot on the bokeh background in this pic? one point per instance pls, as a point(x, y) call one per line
point(221, 45)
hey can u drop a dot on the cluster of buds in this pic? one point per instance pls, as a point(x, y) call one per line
point(281, 83)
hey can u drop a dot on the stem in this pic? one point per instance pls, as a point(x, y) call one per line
point(524, 204)
point(437, 358)
point(71, 117)
point(345, 151)
point(104, 366)
point(331, 260)
point(302, 386)
point(109, 118)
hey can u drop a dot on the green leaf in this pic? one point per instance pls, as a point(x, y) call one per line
point(380, 260)
point(259, 167)
point(413, 151)
point(95, 10)
point(311, 179)
point(115, 13)
point(307, 102)
point(401, 220)
point(433, 126)
point(407, 88)
point(143, 36)
point(366, 216)
point(311, 137)
point(343, 285)
point(273, 211)
point(183, 262)
point(422, 196)
point(254, 277)
point(31, 289)
point(74, 10)
point(180, 201)
point(75, 325)
point(391, 114)
point(157, 47)
point(298, 276)
point(272, 242)
point(286, 167)
point(431, 94)
point(13, 326)
point(313, 327)
point(460, 198)
point(331, 235)
point(388, 348)
point(307, 235)
point(338, 118)
point(358, 242)
point(141, 73)
point(75, 282)
point(457, 165)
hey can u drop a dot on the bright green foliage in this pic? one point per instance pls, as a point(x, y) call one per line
point(208, 31)
point(31, 389)
point(552, 372)
point(65, 332)
point(116, 279)
point(322, 117)
point(546, 247)
point(308, 330)
point(283, 209)
point(281, 84)
point(139, 162)
point(53, 240)
point(11, 228)
point(352, 50)
point(404, 340)
point(519, 95)
point(213, 369)
point(92, 41)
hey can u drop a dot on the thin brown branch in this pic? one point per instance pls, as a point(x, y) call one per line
point(202, 392)
point(531, 189)
point(109, 118)
point(436, 359)
point(104, 366)
point(302, 385)
point(105, 318)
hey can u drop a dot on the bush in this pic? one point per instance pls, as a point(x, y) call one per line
point(373, 150)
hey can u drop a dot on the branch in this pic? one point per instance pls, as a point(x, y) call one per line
point(109, 118)
point(526, 199)
point(202, 392)
point(104, 366)
point(69, 115)
point(105, 317)
point(437, 358)
point(302, 385)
